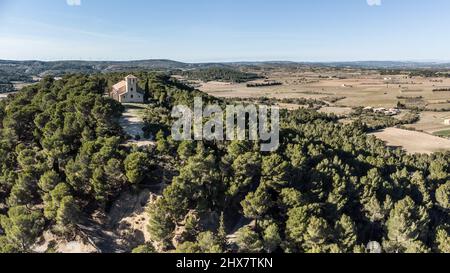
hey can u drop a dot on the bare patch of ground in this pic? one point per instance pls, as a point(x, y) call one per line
point(5, 95)
point(53, 243)
point(119, 231)
point(132, 123)
point(140, 143)
point(413, 142)
point(20, 85)
point(338, 111)
point(129, 218)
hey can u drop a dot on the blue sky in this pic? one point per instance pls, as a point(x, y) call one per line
point(225, 30)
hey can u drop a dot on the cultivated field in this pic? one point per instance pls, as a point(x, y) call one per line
point(339, 111)
point(359, 88)
point(354, 88)
point(413, 142)
point(432, 122)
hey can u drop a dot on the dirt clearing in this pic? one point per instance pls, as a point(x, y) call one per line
point(132, 123)
point(413, 142)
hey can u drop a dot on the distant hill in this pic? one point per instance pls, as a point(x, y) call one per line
point(390, 65)
point(57, 68)
point(23, 70)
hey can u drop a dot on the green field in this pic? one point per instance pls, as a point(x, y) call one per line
point(444, 133)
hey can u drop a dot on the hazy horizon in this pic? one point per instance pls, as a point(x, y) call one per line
point(225, 62)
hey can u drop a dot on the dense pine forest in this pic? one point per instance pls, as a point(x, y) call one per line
point(330, 188)
point(220, 74)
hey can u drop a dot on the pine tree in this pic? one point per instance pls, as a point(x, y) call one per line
point(137, 166)
point(48, 181)
point(67, 214)
point(221, 232)
point(24, 191)
point(160, 225)
point(247, 169)
point(209, 243)
point(21, 228)
point(256, 204)
point(144, 249)
point(374, 210)
point(146, 91)
point(442, 240)
point(443, 196)
point(406, 227)
point(274, 171)
point(271, 238)
point(346, 233)
point(291, 198)
point(438, 170)
point(421, 192)
point(52, 200)
point(371, 185)
point(316, 236)
point(249, 241)
point(99, 186)
point(338, 197)
point(162, 145)
point(297, 224)
point(186, 149)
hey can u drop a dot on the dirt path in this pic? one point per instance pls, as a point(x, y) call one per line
point(103, 240)
point(124, 227)
point(5, 95)
point(232, 236)
point(132, 123)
